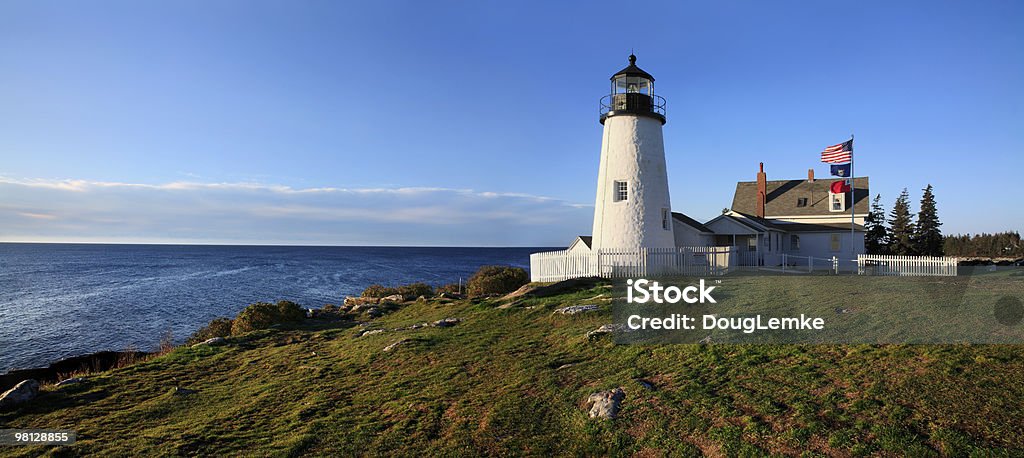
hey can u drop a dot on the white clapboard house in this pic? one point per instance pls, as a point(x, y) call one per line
point(800, 218)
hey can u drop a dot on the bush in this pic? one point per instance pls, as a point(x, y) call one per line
point(263, 315)
point(451, 288)
point(496, 280)
point(218, 327)
point(379, 291)
point(415, 290)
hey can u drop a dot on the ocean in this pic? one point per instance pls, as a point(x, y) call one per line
point(62, 300)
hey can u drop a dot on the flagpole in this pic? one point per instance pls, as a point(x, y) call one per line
point(853, 201)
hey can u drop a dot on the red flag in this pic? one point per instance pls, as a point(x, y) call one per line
point(840, 187)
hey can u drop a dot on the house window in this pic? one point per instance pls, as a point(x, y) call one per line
point(752, 243)
point(837, 202)
point(621, 190)
point(794, 242)
point(835, 242)
point(665, 219)
point(801, 202)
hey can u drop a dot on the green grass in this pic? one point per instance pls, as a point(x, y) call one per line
point(495, 384)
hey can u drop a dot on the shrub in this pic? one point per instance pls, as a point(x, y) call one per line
point(379, 291)
point(218, 327)
point(496, 280)
point(415, 290)
point(263, 315)
point(451, 288)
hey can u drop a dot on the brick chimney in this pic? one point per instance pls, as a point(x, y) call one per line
point(762, 191)
point(810, 175)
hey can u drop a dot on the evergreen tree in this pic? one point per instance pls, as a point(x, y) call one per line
point(901, 226)
point(1003, 244)
point(875, 233)
point(927, 236)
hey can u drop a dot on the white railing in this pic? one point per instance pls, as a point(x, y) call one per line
point(748, 258)
point(808, 264)
point(909, 266)
point(611, 263)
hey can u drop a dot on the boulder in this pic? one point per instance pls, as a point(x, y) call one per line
point(606, 329)
point(396, 344)
point(574, 309)
point(370, 332)
point(71, 381)
point(212, 341)
point(393, 298)
point(446, 323)
point(605, 404)
point(23, 392)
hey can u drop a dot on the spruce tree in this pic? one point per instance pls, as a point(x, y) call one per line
point(875, 233)
point(927, 236)
point(901, 226)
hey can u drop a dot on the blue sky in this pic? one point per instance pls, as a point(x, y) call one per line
point(475, 123)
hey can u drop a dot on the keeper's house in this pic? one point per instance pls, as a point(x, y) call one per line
point(793, 217)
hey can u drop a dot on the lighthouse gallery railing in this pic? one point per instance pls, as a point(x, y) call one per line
point(632, 103)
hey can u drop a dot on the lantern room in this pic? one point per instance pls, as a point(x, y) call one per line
point(632, 92)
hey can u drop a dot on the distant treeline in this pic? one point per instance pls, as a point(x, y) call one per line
point(1002, 244)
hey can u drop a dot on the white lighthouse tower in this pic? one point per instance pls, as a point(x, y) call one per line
point(633, 209)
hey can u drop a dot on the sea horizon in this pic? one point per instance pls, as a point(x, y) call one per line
point(281, 245)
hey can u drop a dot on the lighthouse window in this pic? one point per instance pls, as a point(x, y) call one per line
point(664, 219)
point(621, 190)
point(632, 84)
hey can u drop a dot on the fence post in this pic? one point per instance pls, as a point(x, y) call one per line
point(835, 265)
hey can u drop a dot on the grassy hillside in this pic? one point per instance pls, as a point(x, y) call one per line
point(515, 380)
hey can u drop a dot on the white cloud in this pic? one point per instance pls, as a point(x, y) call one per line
point(189, 211)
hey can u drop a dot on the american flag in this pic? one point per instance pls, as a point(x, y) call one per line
point(838, 154)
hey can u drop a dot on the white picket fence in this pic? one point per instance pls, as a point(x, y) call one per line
point(907, 266)
point(610, 263)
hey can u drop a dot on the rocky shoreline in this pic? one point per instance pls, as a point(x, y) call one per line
point(67, 367)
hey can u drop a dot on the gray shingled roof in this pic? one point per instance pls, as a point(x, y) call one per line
point(783, 194)
point(691, 222)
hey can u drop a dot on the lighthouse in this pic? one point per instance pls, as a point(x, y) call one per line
point(632, 210)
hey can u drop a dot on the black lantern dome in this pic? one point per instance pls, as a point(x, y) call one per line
point(632, 92)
